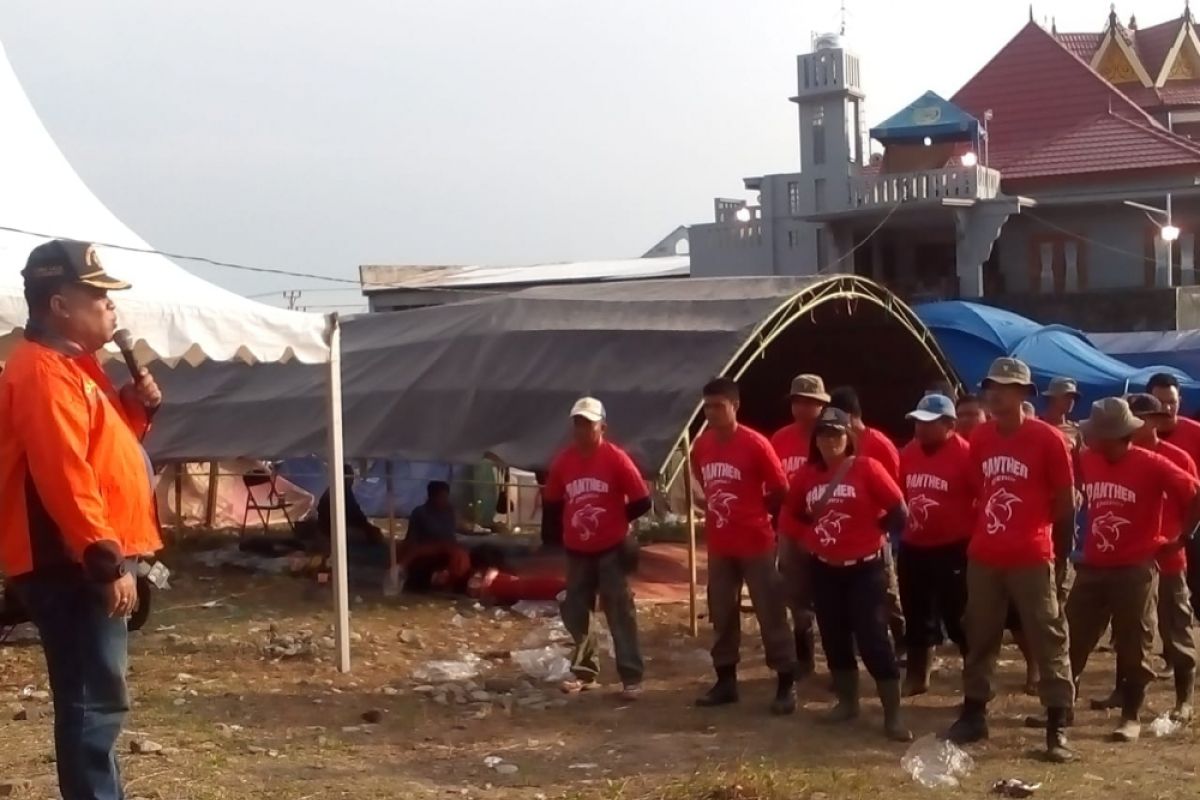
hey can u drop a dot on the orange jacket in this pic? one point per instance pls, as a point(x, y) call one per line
point(74, 481)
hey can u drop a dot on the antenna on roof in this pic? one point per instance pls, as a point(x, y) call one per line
point(1054, 25)
point(842, 31)
point(1031, 12)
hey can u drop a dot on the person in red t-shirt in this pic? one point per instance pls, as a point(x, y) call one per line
point(971, 414)
point(792, 442)
point(932, 563)
point(1128, 491)
point(597, 491)
point(1026, 489)
point(1174, 609)
point(743, 483)
point(872, 443)
point(846, 503)
point(1184, 433)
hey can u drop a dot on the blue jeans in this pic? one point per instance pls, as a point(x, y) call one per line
point(86, 656)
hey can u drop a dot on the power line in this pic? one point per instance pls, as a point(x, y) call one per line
point(1087, 239)
point(202, 259)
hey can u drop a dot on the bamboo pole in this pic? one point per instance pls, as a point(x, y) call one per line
point(179, 468)
point(210, 504)
point(689, 495)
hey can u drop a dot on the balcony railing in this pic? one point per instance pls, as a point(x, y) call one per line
point(928, 186)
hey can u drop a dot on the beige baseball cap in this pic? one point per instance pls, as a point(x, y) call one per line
point(589, 408)
point(811, 387)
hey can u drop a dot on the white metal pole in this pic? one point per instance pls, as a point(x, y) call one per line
point(337, 499)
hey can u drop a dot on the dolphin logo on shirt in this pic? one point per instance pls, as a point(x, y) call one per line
point(587, 521)
point(1107, 530)
point(829, 527)
point(999, 510)
point(719, 506)
point(918, 509)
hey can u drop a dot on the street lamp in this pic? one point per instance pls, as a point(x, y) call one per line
point(1168, 231)
point(969, 159)
point(743, 214)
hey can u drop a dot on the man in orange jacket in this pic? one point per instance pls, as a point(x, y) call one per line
point(76, 507)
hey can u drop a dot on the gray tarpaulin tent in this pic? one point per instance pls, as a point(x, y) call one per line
point(497, 375)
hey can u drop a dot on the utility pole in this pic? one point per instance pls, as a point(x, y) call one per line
point(291, 296)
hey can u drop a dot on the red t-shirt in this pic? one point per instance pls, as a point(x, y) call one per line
point(847, 527)
point(595, 489)
point(791, 445)
point(873, 443)
point(1125, 505)
point(1174, 560)
point(1186, 437)
point(1017, 478)
point(939, 493)
point(736, 476)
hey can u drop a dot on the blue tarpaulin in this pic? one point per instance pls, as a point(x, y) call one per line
point(409, 482)
point(929, 116)
point(1178, 349)
point(972, 335)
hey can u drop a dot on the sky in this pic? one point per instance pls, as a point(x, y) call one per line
point(317, 136)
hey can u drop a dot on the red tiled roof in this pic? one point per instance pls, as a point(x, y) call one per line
point(1083, 45)
point(1176, 93)
point(1155, 42)
point(1106, 143)
point(1042, 96)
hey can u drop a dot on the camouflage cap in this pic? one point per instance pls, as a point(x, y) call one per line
point(1062, 387)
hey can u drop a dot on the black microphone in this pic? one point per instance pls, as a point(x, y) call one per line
point(123, 339)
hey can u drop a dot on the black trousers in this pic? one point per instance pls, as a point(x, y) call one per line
point(851, 605)
point(933, 592)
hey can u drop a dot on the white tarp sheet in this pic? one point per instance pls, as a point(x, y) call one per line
point(172, 313)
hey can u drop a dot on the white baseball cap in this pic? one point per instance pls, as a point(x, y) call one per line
point(589, 408)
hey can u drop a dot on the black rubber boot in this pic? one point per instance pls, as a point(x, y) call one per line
point(1114, 700)
point(785, 695)
point(724, 691)
point(889, 697)
point(805, 653)
point(1035, 721)
point(920, 665)
point(1058, 751)
point(1185, 687)
point(845, 687)
point(971, 725)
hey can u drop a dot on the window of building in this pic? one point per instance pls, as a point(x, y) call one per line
point(853, 122)
point(818, 135)
point(1057, 264)
point(819, 195)
point(793, 189)
point(822, 253)
point(793, 239)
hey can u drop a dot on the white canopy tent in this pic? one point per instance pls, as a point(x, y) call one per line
point(173, 314)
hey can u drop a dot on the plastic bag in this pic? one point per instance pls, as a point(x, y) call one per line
point(1163, 725)
point(446, 671)
point(548, 663)
point(935, 763)
point(553, 633)
point(535, 609)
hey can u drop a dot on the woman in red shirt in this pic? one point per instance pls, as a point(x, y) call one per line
point(846, 504)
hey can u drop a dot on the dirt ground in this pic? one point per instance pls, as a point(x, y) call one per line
point(237, 719)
